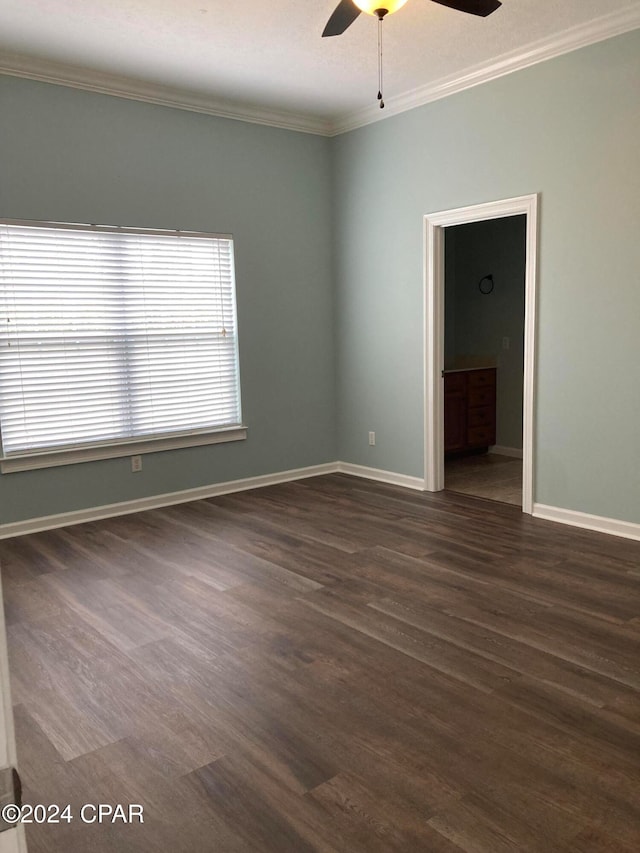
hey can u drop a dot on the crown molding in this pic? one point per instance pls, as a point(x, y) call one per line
point(75, 77)
point(43, 70)
point(600, 29)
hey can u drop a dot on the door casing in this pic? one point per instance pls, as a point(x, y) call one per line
point(434, 226)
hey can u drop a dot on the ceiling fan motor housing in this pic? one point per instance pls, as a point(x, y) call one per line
point(372, 7)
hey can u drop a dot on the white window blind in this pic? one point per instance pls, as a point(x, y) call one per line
point(112, 334)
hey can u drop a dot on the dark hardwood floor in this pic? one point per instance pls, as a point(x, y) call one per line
point(329, 665)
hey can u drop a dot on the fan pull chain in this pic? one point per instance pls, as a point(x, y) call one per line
point(380, 80)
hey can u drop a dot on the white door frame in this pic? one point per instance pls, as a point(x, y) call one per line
point(11, 840)
point(434, 225)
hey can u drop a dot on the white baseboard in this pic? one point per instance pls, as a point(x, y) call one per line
point(612, 526)
point(506, 451)
point(65, 519)
point(381, 476)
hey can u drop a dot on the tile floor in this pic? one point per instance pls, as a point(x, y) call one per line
point(487, 475)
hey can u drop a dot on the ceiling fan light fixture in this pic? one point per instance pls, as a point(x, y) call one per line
point(372, 6)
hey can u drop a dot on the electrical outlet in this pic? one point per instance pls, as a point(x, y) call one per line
point(372, 439)
point(506, 343)
point(136, 463)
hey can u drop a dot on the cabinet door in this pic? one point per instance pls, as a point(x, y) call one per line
point(455, 422)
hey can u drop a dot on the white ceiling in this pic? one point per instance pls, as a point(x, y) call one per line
point(271, 56)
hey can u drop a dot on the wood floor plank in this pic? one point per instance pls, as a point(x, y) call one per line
point(332, 665)
point(377, 818)
point(470, 668)
point(549, 668)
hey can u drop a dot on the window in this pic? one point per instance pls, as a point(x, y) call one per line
point(114, 341)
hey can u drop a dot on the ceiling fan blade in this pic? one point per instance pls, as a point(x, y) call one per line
point(472, 7)
point(344, 15)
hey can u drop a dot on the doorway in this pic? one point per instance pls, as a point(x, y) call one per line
point(484, 358)
point(435, 226)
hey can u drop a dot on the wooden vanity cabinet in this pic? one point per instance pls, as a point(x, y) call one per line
point(469, 409)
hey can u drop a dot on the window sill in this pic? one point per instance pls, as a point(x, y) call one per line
point(92, 453)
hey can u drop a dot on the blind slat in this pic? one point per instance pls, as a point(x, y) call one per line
point(109, 335)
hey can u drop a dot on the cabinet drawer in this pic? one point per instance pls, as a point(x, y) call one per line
point(481, 397)
point(455, 383)
point(482, 416)
point(482, 378)
point(469, 409)
point(481, 436)
point(455, 422)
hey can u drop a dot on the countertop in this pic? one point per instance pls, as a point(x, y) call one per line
point(466, 369)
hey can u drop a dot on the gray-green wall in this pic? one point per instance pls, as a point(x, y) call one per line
point(477, 323)
point(329, 251)
point(569, 129)
point(72, 156)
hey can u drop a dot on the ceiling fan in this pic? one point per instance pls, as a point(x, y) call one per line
point(347, 11)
